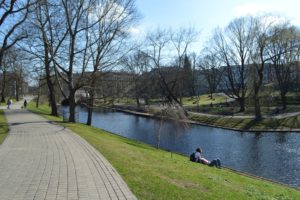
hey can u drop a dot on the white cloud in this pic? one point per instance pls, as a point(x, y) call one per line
point(134, 31)
point(255, 9)
point(283, 10)
point(295, 21)
point(111, 11)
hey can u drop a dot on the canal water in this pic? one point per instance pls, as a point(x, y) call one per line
point(272, 155)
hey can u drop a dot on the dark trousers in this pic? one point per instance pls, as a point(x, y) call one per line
point(216, 163)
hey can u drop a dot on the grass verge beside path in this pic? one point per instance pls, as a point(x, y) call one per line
point(155, 174)
point(3, 127)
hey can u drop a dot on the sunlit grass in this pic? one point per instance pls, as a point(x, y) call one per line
point(3, 127)
point(249, 123)
point(205, 99)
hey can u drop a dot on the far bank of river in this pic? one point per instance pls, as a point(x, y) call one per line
point(273, 155)
point(289, 124)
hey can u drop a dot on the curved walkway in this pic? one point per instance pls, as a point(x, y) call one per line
point(41, 160)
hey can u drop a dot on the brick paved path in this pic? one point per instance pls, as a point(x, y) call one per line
point(40, 160)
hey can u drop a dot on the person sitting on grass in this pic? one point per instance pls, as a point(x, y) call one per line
point(200, 159)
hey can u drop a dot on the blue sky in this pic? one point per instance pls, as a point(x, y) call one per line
point(205, 15)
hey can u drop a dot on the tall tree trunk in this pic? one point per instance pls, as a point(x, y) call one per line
point(257, 85)
point(37, 100)
point(146, 101)
point(52, 98)
point(51, 93)
point(138, 102)
point(257, 107)
point(37, 103)
point(284, 100)
point(3, 86)
point(17, 90)
point(38, 95)
point(72, 106)
point(48, 78)
point(256, 88)
point(211, 94)
point(90, 108)
point(242, 104)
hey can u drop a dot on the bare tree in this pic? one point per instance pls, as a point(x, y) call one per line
point(13, 73)
point(233, 48)
point(259, 56)
point(193, 57)
point(161, 45)
point(12, 15)
point(158, 43)
point(284, 51)
point(46, 40)
point(108, 37)
point(137, 64)
point(210, 67)
point(181, 40)
point(71, 63)
point(5, 69)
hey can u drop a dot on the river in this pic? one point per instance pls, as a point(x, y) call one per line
point(273, 155)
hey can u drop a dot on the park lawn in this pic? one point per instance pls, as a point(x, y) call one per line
point(156, 174)
point(204, 100)
point(187, 101)
point(3, 127)
point(124, 100)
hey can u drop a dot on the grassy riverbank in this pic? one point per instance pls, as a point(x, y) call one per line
point(156, 174)
point(241, 123)
point(3, 127)
point(248, 123)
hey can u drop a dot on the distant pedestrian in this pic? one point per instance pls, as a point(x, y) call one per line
point(9, 102)
point(25, 103)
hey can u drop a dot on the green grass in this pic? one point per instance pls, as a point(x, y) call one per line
point(248, 123)
point(187, 101)
point(124, 100)
point(228, 122)
point(204, 100)
point(157, 174)
point(3, 127)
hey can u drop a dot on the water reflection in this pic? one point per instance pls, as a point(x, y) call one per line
point(272, 155)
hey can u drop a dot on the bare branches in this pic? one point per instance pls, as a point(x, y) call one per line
point(233, 46)
point(13, 15)
point(210, 67)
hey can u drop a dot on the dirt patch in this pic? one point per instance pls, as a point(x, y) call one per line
point(185, 184)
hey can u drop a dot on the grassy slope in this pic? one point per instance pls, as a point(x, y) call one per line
point(3, 127)
point(249, 124)
point(155, 174)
